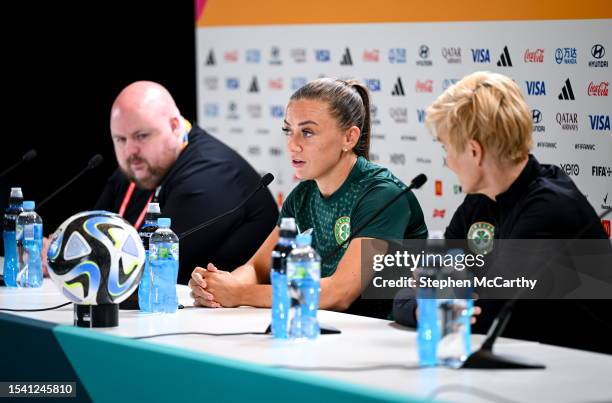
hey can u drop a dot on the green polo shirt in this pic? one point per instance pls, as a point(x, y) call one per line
point(367, 188)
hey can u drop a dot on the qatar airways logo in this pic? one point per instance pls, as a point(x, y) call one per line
point(598, 90)
point(424, 86)
point(567, 121)
point(452, 55)
point(534, 56)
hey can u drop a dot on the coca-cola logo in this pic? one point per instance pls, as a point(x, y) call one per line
point(424, 86)
point(534, 56)
point(598, 90)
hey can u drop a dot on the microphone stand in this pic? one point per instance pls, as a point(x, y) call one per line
point(264, 182)
point(93, 162)
point(27, 157)
point(485, 358)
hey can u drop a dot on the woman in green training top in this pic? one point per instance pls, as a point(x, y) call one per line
point(327, 127)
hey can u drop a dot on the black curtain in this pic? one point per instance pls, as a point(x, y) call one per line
point(63, 66)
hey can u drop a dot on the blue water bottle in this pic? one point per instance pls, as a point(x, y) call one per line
point(146, 231)
point(278, 278)
point(304, 277)
point(456, 311)
point(164, 262)
point(428, 327)
point(28, 233)
point(455, 343)
point(443, 325)
point(10, 243)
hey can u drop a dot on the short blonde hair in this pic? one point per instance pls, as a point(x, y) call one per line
point(487, 107)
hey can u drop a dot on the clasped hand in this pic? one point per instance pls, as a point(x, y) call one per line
point(213, 288)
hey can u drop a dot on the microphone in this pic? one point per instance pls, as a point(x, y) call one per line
point(27, 157)
point(263, 182)
point(91, 164)
point(95, 161)
point(416, 183)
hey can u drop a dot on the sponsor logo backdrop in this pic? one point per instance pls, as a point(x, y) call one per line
point(247, 74)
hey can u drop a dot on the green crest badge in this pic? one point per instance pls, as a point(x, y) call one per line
point(342, 229)
point(480, 237)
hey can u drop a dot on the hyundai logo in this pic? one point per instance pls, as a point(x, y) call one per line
point(598, 51)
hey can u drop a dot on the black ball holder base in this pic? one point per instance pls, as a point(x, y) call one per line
point(106, 315)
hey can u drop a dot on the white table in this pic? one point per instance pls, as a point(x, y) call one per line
point(570, 376)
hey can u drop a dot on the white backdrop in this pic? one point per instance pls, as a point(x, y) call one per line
point(245, 75)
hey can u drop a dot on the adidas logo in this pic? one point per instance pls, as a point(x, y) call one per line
point(567, 93)
point(347, 60)
point(504, 59)
point(210, 59)
point(398, 88)
point(254, 87)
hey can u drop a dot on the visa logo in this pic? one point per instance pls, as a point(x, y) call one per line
point(298, 82)
point(232, 83)
point(373, 84)
point(276, 111)
point(421, 115)
point(535, 88)
point(600, 122)
point(211, 110)
point(253, 56)
point(481, 56)
point(322, 55)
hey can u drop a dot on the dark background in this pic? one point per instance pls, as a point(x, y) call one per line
point(63, 66)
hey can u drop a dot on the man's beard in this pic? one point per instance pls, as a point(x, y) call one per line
point(150, 182)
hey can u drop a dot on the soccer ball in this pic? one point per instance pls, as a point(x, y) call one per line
point(95, 258)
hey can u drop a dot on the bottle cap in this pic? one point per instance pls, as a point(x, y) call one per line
point(303, 240)
point(164, 222)
point(16, 192)
point(29, 205)
point(153, 208)
point(288, 224)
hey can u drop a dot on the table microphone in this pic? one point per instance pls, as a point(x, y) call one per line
point(416, 183)
point(91, 164)
point(263, 182)
point(27, 157)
